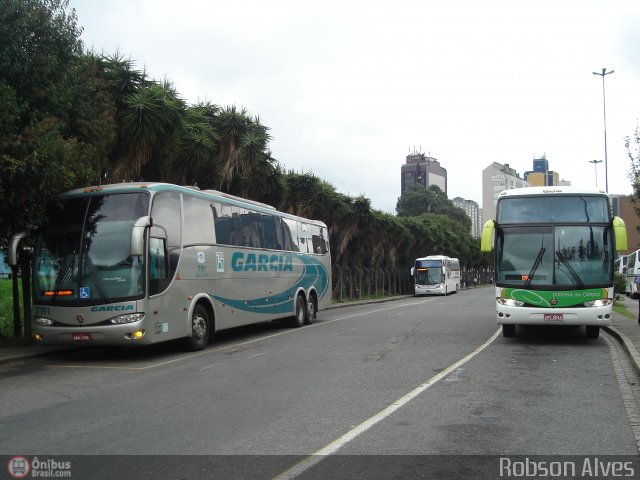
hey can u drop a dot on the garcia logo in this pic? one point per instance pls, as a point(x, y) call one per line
point(261, 262)
point(112, 308)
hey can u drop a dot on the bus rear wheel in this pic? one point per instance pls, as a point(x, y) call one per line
point(300, 316)
point(593, 331)
point(508, 330)
point(200, 329)
point(311, 310)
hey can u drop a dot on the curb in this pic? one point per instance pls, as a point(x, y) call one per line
point(33, 354)
point(627, 344)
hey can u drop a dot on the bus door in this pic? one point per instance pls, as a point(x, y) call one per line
point(166, 313)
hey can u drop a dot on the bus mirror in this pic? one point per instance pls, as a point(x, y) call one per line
point(12, 253)
point(413, 270)
point(137, 235)
point(486, 241)
point(620, 233)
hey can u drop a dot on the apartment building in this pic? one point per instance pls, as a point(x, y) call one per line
point(473, 211)
point(422, 170)
point(496, 178)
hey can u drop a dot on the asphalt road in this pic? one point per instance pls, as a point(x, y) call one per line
point(413, 377)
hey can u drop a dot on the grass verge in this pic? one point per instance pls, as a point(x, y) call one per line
point(621, 309)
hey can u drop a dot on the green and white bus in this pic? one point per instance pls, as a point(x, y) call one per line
point(554, 250)
point(140, 263)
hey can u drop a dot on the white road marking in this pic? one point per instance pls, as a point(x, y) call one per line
point(334, 446)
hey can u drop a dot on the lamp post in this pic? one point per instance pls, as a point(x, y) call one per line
point(595, 164)
point(604, 110)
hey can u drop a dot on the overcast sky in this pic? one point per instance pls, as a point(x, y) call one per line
point(348, 88)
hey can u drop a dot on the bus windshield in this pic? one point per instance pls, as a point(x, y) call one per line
point(428, 272)
point(554, 256)
point(82, 255)
point(554, 209)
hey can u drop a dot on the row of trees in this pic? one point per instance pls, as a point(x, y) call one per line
point(71, 118)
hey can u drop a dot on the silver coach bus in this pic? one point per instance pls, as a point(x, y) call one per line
point(140, 263)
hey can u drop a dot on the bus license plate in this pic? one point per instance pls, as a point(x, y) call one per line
point(81, 337)
point(553, 317)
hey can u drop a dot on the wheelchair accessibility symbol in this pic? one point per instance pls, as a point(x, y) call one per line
point(85, 292)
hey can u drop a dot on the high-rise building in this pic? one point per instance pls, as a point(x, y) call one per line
point(541, 176)
point(422, 170)
point(473, 211)
point(496, 178)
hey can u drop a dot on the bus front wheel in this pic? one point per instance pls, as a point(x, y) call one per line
point(200, 329)
point(508, 330)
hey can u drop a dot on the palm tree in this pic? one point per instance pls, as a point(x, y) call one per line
point(193, 160)
point(243, 144)
point(151, 121)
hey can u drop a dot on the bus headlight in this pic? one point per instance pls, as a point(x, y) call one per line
point(44, 322)
point(509, 302)
point(598, 303)
point(128, 318)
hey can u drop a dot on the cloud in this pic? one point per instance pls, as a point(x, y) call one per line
point(349, 87)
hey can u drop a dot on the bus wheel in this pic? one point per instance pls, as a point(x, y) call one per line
point(593, 331)
point(508, 330)
point(200, 329)
point(300, 317)
point(311, 310)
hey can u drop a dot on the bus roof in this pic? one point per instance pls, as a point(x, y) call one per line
point(158, 186)
point(437, 257)
point(535, 191)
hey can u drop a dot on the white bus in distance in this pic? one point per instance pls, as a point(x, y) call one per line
point(141, 263)
point(436, 274)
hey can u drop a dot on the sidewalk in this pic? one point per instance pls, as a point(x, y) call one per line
point(11, 354)
point(627, 331)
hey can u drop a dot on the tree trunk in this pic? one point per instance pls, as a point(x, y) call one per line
point(17, 331)
point(26, 294)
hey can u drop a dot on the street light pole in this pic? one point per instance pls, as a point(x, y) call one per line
point(595, 164)
point(604, 110)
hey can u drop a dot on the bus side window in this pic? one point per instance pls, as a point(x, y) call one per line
point(158, 265)
point(290, 233)
point(270, 233)
point(166, 211)
point(317, 240)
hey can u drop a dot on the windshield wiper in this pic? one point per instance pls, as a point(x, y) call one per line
point(535, 266)
point(64, 278)
point(563, 260)
point(92, 272)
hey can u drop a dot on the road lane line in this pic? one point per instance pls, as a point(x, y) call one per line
point(241, 344)
point(212, 365)
point(315, 458)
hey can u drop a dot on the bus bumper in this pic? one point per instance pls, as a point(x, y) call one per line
point(430, 290)
point(126, 334)
point(597, 316)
